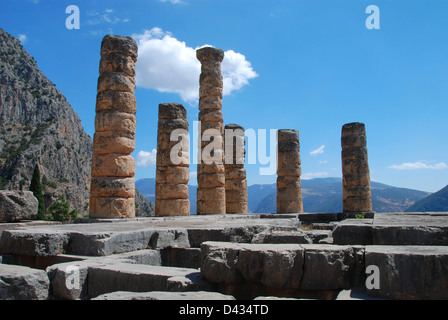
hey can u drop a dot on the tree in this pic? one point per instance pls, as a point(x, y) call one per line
point(36, 187)
point(59, 210)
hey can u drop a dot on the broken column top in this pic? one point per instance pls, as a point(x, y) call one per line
point(119, 44)
point(172, 111)
point(209, 54)
point(234, 126)
point(354, 128)
point(287, 135)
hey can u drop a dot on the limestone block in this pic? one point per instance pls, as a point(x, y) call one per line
point(212, 180)
point(236, 196)
point(236, 207)
point(113, 165)
point(17, 205)
point(289, 206)
point(112, 187)
point(172, 111)
point(115, 121)
point(116, 82)
point(141, 278)
point(210, 207)
point(236, 173)
point(113, 142)
point(171, 191)
point(35, 242)
point(166, 158)
point(168, 125)
point(210, 115)
point(166, 141)
point(172, 175)
point(236, 185)
point(118, 44)
point(117, 62)
point(116, 100)
point(410, 272)
point(112, 207)
point(172, 207)
point(23, 283)
point(212, 194)
point(164, 295)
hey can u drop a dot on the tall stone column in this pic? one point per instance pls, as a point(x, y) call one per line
point(289, 187)
point(355, 169)
point(236, 183)
point(211, 197)
point(112, 190)
point(173, 161)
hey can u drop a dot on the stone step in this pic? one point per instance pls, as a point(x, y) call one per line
point(164, 295)
point(23, 283)
point(96, 276)
point(298, 270)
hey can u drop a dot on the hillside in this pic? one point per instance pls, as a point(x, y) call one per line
point(319, 195)
point(436, 202)
point(40, 126)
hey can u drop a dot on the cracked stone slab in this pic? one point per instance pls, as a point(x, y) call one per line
point(23, 283)
point(163, 295)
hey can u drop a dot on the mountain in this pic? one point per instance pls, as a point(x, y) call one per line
point(40, 126)
point(319, 195)
point(436, 202)
point(325, 195)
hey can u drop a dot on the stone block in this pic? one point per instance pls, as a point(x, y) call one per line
point(17, 205)
point(23, 283)
point(141, 278)
point(328, 267)
point(113, 165)
point(410, 272)
point(164, 295)
point(112, 207)
point(116, 100)
point(112, 120)
point(112, 187)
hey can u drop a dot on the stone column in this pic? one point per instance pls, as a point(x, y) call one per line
point(236, 183)
point(289, 187)
point(355, 169)
point(173, 161)
point(112, 190)
point(211, 197)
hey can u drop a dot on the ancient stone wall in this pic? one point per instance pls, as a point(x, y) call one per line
point(173, 161)
point(355, 169)
point(289, 187)
point(112, 189)
point(236, 183)
point(211, 194)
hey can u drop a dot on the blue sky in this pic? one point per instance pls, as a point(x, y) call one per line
point(310, 65)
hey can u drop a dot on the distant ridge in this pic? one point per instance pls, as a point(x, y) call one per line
point(319, 195)
point(436, 202)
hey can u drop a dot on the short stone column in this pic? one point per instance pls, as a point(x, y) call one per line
point(173, 161)
point(289, 187)
point(355, 169)
point(236, 183)
point(211, 197)
point(112, 189)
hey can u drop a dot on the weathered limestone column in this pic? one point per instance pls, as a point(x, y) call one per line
point(211, 194)
point(355, 169)
point(289, 187)
point(112, 190)
point(173, 161)
point(236, 183)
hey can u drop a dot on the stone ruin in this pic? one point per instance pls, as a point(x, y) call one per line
point(213, 255)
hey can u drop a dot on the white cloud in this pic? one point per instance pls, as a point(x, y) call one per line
point(146, 159)
point(319, 150)
point(167, 64)
point(104, 17)
point(22, 38)
point(312, 175)
point(323, 161)
point(419, 165)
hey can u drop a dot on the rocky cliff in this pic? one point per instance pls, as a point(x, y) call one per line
point(40, 126)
